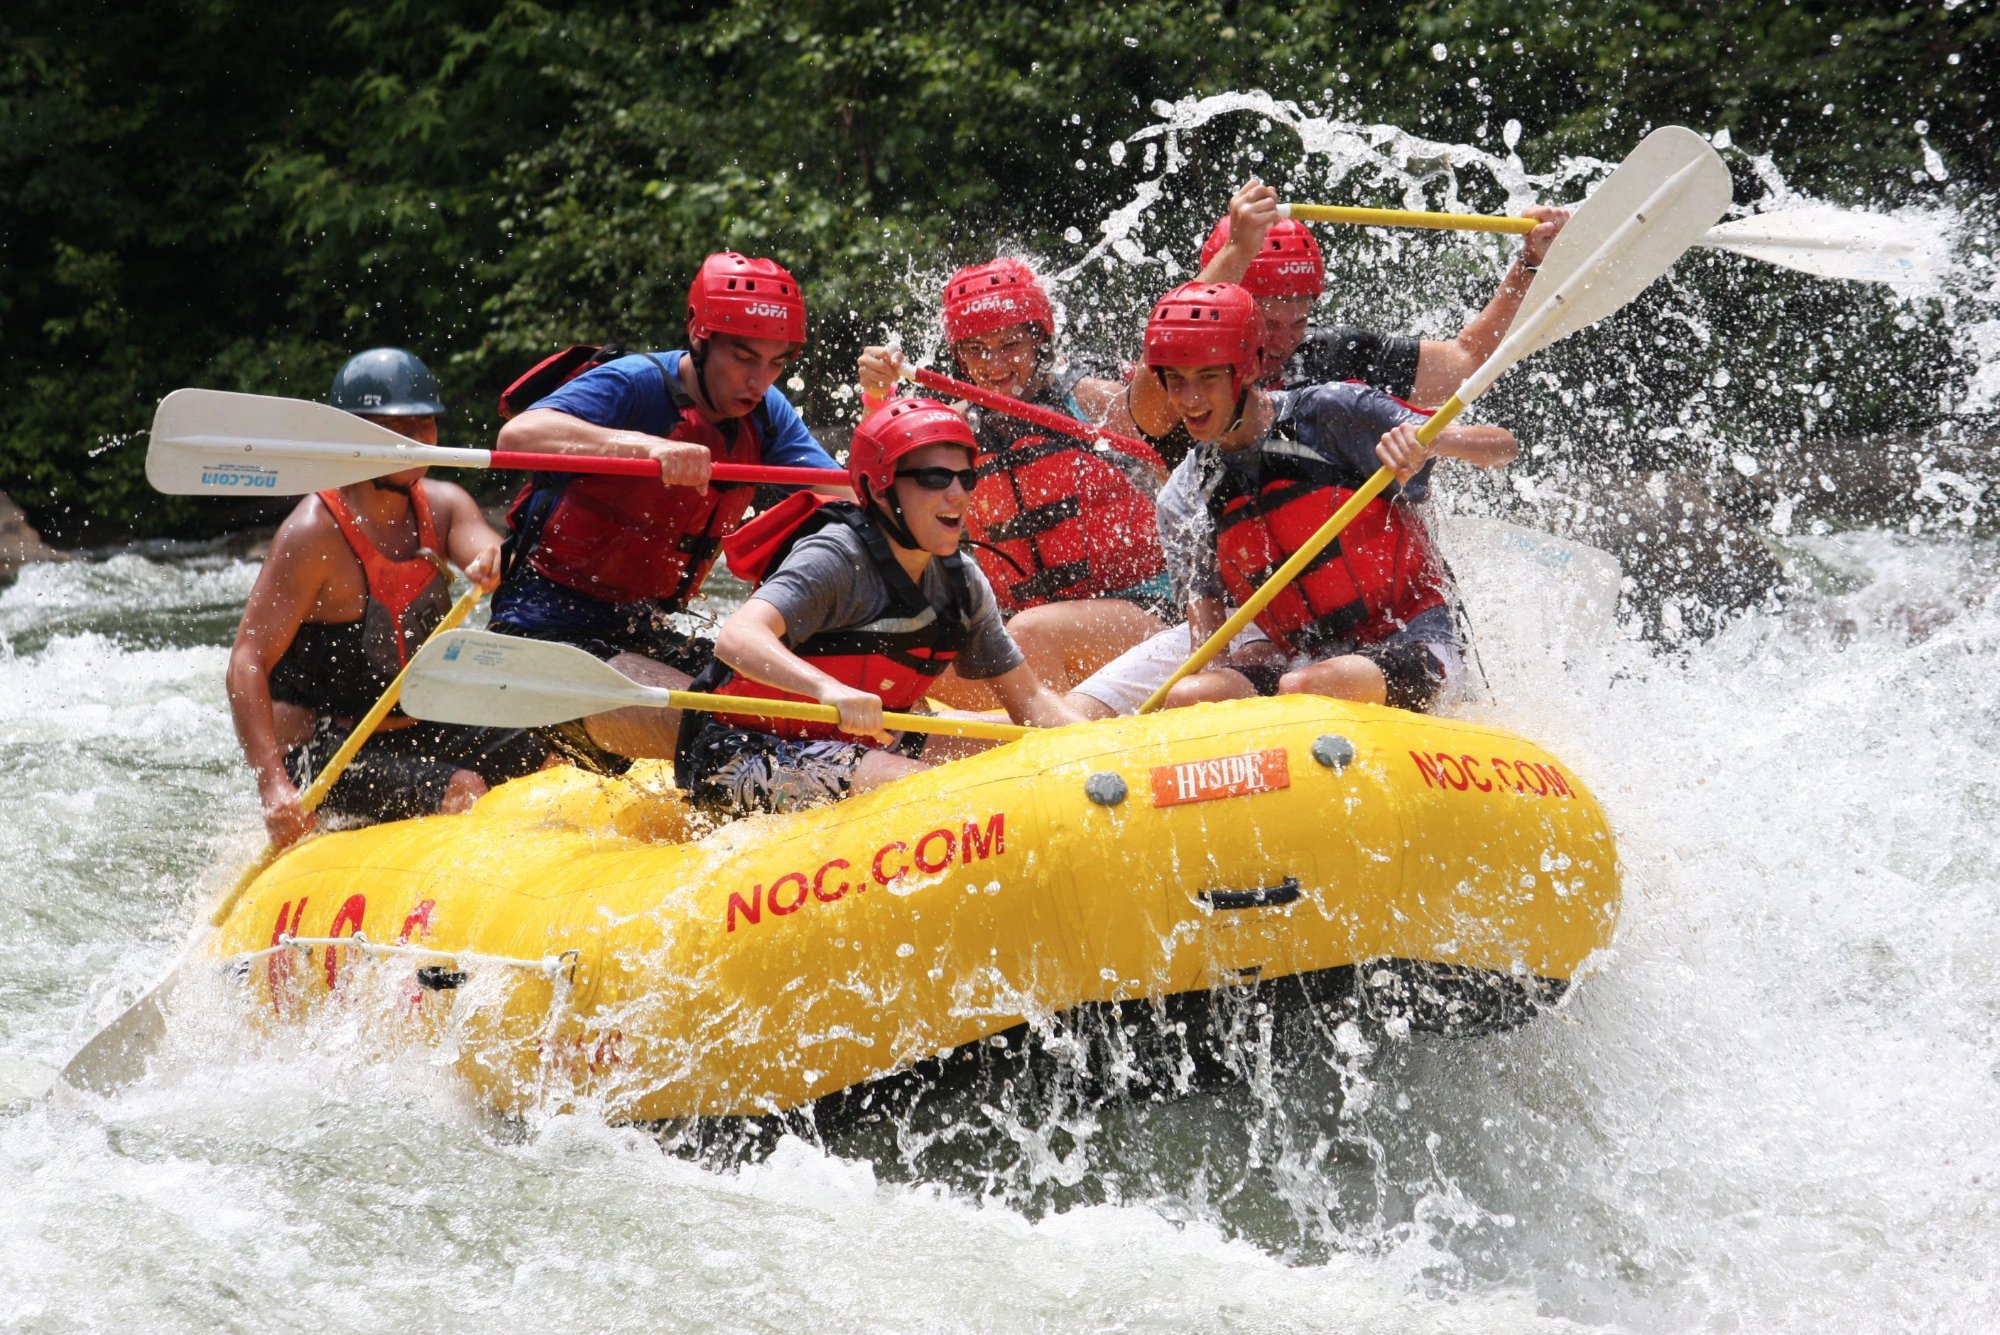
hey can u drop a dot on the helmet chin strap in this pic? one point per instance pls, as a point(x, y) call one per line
point(1242, 402)
point(696, 348)
point(891, 519)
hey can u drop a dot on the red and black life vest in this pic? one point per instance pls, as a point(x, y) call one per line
point(622, 539)
point(1057, 521)
point(340, 668)
point(1367, 584)
point(896, 656)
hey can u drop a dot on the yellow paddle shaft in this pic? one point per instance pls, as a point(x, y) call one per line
point(1442, 222)
point(330, 773)
point(814, 713)
point(1298, 561)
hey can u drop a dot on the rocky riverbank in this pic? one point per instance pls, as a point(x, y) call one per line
point(20, 544)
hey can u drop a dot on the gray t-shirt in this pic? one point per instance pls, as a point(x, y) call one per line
point(828, 582)
point(1340, 423)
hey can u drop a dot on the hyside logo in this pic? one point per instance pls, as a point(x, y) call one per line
point(239, 475)
point(1224, 776)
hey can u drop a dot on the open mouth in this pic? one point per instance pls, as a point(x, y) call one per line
point(951, 523)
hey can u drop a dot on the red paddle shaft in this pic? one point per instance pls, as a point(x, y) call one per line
point(1028, 412)
point(592, 463)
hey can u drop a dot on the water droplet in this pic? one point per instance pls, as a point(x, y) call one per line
point(1073, 235)
point(1438, 52)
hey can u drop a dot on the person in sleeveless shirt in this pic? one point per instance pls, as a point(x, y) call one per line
point(350, 589)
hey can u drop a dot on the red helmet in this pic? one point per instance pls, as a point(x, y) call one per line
point(1207, 324)
point(897, 428)
point(750, 298)
point(1289, 265)
point(994, 295)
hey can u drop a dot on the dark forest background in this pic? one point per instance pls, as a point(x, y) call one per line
point(217, 193)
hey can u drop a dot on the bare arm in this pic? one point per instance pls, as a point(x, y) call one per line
point(1028, 701)
point(546, 431)
point(469, 542)
point(751, 641)
point(1252, 210)
point(287, 589)
point(1442, 366)
point(1484, 446)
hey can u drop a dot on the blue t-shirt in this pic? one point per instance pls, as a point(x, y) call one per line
point(630, 394)
point(1340, 423)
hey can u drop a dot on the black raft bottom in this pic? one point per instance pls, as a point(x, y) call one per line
point(1151, 1050)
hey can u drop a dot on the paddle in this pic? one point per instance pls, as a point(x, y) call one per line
point(1826, 241)
point(505, 681)
point(117, 1054)
point(1042, 417)
point(1669, 191)
point(209, 442)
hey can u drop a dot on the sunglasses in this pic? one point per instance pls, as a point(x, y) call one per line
point(940, 479)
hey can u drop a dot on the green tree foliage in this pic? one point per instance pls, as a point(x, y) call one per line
point(211, 193)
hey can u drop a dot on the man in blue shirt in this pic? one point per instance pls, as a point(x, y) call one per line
point(605, 563)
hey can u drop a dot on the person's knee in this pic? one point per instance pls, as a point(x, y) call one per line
point(463, 789)
point(1207, 688)
point(1349, 677)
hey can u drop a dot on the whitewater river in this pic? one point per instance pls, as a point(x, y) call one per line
point(1773, 1106)
point(1777, 1105)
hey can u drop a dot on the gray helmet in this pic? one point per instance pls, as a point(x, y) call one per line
point(386, 382)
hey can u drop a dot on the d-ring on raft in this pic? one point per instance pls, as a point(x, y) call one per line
point(577, 945)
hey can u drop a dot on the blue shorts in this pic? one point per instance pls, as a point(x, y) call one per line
point(535, 607)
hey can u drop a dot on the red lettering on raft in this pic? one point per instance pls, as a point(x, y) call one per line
point(950, 851)
point(1529, 778)
point(991, 840)
point(771, 898)
point(933, 852)
point(819, 882)
point(350, 916)
point(278, 965)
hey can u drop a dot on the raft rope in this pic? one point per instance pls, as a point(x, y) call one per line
point(553, 966)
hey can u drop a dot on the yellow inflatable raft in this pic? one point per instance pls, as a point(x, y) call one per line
point(570, 938)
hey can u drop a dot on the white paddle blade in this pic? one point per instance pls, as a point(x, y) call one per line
point(1667, 193)
point(209, 442)
point(1830, 242)
point(503, 681)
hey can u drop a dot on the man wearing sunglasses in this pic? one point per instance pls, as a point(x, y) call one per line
point(861, 608)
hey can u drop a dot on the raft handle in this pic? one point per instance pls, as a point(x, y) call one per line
point(437, 978)
point(1262, 897)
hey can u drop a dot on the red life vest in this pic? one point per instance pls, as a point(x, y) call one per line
point(1057, 521)
point(620, 539)
point(1367, 584)
point(896, 656)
